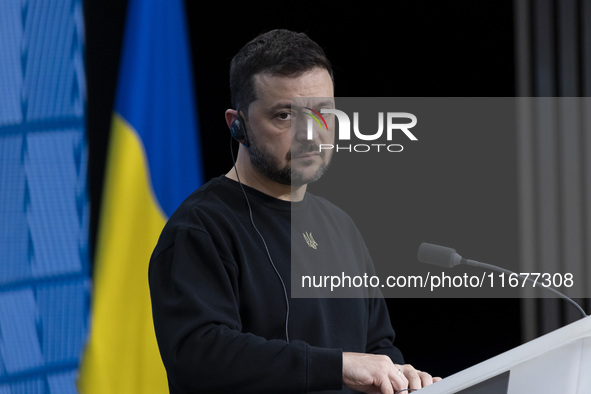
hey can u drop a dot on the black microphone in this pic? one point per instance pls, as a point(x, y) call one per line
point(448, 257)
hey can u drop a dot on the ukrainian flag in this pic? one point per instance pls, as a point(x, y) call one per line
point(152, 165)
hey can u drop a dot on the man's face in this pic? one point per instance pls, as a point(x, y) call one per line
point(279, 148)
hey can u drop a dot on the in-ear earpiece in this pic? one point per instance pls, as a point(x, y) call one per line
point(238, 132)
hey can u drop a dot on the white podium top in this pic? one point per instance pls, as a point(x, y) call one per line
point(558, 362)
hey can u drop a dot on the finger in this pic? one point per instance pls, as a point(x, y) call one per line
point(386, 387)
point(397, 378)
point(437, 379)
point(412, 375)
point(414, 379)
point(426, 379)
point(399, 383)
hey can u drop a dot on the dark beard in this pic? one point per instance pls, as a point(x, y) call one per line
point(266, 165)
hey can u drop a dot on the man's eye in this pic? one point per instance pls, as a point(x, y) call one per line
point(284, 115)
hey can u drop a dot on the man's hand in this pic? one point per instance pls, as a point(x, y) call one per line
point(372, 373)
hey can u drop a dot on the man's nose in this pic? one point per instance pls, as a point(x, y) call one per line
point(306, 129)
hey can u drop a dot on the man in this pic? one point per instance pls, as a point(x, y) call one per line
point(219, 276)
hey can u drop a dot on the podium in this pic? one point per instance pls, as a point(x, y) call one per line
point(558, 362)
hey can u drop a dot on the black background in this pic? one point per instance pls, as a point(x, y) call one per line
point(378, 49)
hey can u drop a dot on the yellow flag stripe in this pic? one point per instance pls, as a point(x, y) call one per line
point(130, 223)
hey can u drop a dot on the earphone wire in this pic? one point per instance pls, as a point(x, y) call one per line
point(264, 243)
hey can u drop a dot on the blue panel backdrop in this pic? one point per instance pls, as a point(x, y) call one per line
point(44, 210)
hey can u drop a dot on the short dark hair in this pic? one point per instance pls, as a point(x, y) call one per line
point(277, 52)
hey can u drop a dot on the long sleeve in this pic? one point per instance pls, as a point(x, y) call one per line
point(380, 333)
point(195, 301)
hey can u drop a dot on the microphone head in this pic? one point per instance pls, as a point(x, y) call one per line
point(438, 255)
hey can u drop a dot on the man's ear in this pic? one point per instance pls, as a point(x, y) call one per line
point(231, 115)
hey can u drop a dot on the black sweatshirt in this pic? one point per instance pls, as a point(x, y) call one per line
point(219, 306)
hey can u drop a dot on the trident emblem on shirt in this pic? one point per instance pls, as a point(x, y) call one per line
point(310, 240)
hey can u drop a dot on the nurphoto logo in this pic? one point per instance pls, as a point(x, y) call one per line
point(392, 127)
